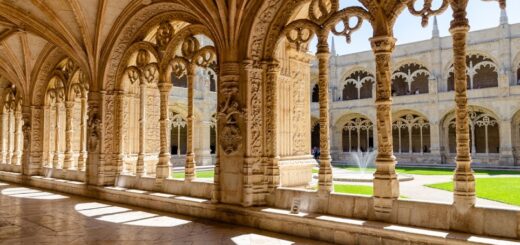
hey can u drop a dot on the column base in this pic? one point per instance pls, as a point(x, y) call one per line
point(163, 169)
point(67, 162)
point(139, 166)
point(189, 170)
point(56, 160)
point(325, 176)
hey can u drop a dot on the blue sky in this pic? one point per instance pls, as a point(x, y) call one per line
point(482, 15)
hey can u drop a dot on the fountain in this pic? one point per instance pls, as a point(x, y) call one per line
point(363, 160)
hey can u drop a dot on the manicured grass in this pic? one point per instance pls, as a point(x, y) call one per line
point(315, 170)
point(506, 190)
point(353, 189)
point(208, 174)
point(437, 171)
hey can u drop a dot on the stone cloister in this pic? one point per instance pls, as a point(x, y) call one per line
point(422, 85)
point(96, 97)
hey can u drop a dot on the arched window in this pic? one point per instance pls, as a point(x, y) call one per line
point(179, 82)
point(212, 81)
point(358, 85)
point(410, 79)
point(11, 143)
point(481, 73)
point(213, 135)
point(484, 129)
point(55, 123)
point(315, 93)
point(358, 135)
point(518, 75)
point(350, 92)
point(178, 134)
point(315, 136)
point(411, 134)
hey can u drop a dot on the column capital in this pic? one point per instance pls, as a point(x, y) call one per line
point(382, 44)
point(165, 87)
point(272, 66)
point(459, 22)
point(69, 104)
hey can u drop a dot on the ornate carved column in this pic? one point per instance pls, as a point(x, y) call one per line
point(47, 155)
point(9, 133)
point(140, 171)
point(203, 152)
point(56, 157)
point(69, 110)
point(17, 151)
point(36, 162)
point(94, 132)
point(231, 134)
point(163, 167)
point(325, 172)
point(386, 185)
point(121, 106)
point(435, 139)
point(189, 168)
point(82, 159)
point(464, 189)
point(3, 134)
point(26, 130)
point(271, 127)
point(506, 145)
point(253, 181)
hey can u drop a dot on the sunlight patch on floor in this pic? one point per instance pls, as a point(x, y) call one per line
point(121, 215)
point(252, 238)
point(22, 192)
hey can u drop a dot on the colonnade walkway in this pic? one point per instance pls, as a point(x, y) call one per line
point(33, 216)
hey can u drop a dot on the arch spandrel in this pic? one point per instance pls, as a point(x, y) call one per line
point(449, 65)
point(402, 62)
point(45, 67)
point(404, 112)
point(129, 59)
point(351, 70)
point(349, 115)
point(123, 36)
point(450, 113)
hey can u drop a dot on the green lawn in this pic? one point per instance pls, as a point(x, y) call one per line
point(506, 190)
point(208, 174)
point(436, 171)
point(353, 189)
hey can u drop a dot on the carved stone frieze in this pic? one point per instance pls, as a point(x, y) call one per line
point(255, 127)
point(230, 111)
point(164, 34)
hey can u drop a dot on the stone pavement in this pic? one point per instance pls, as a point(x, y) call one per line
point(32, 216)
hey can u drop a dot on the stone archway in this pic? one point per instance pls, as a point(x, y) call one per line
point(482, 72)
point(410, 78)
point(484, 135)
point(357, 85)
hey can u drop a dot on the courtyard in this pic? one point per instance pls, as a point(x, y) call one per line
point(495, 187)
point(219, 122)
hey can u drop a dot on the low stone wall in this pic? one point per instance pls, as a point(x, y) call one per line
point(196, 188)
point(337, 218)
point(431, 215)
point(11, 168)
point(71, 174)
